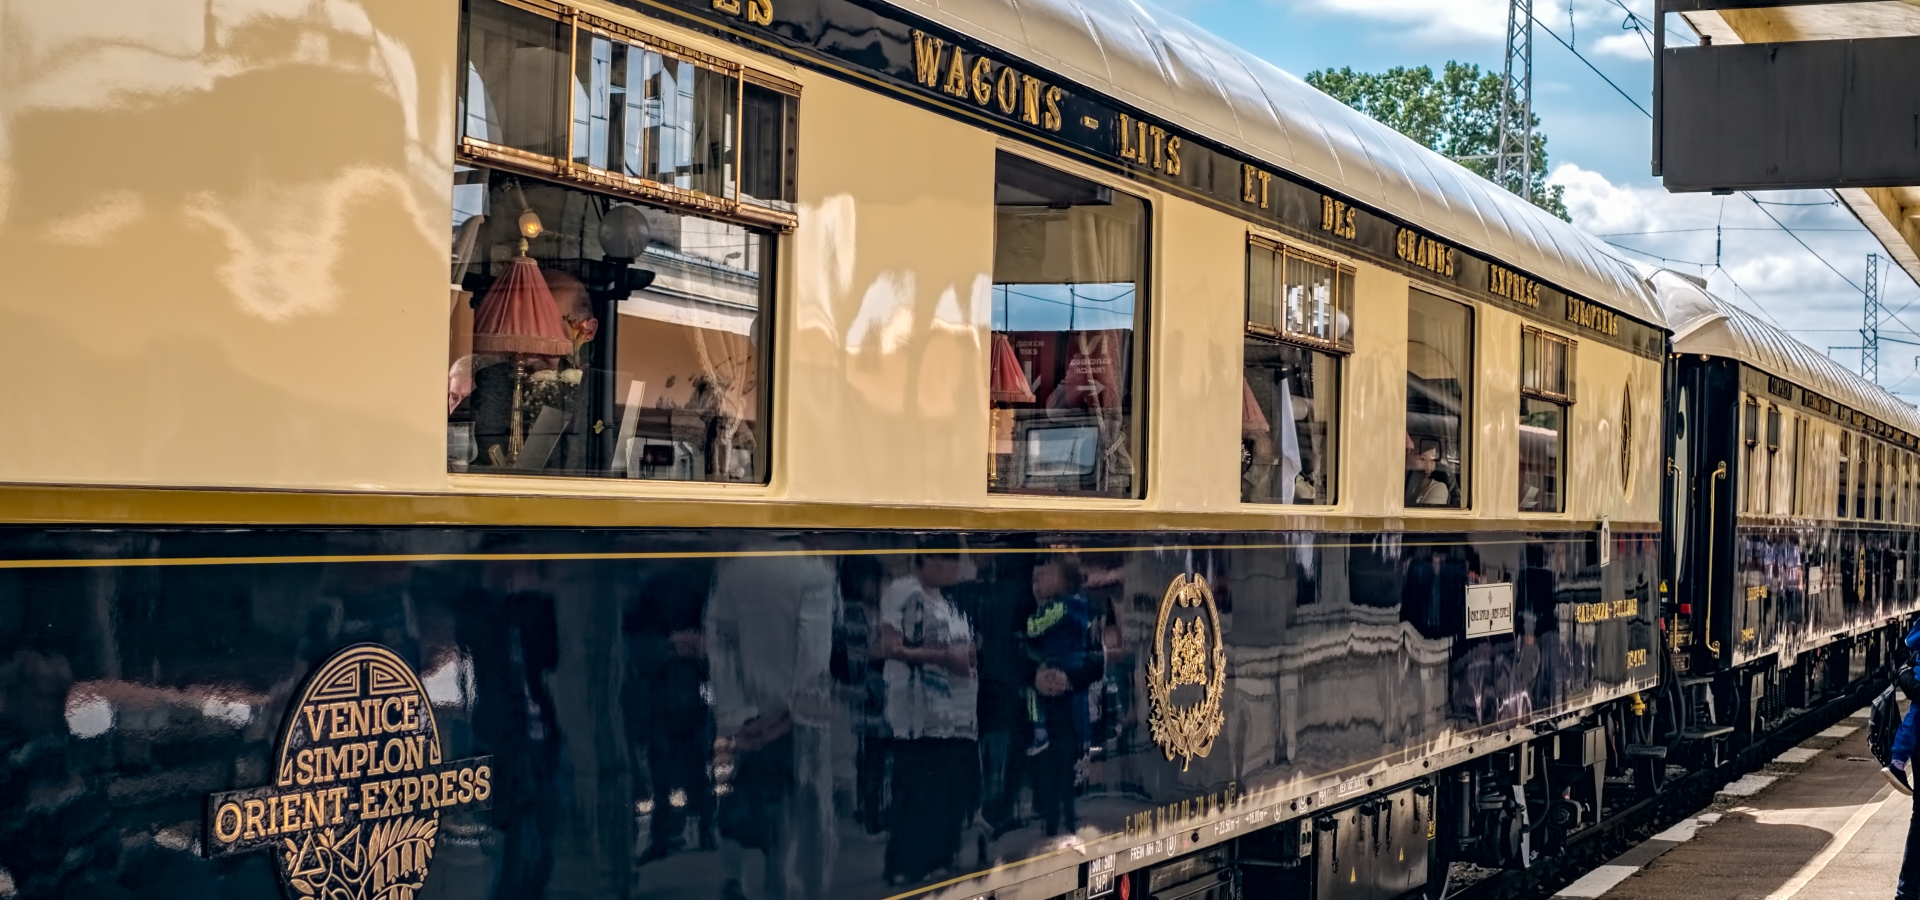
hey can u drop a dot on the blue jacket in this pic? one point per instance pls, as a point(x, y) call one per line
point(1903, 741)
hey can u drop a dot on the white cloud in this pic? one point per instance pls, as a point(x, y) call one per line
point(1760, 266)
point(1429, 23)
point(1628, 45)
point(1484, 22)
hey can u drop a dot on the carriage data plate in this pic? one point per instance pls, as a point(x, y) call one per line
point(1489, 609)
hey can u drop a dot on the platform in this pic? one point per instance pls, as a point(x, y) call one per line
point(1817, 823)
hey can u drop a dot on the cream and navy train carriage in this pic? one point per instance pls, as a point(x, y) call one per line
point(791, 349)
point(1797, 492)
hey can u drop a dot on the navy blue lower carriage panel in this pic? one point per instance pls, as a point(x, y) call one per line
point(835, 714)
point(1800, 587)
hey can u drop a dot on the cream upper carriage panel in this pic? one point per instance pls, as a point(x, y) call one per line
point(1143, 60)
point(221, 226)
point(1706, 324)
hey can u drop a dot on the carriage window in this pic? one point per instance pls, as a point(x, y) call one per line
point(1845, 486)
point(1800, 444)
point(1546, 392)
point(1773, 455)
point(1439, 394)
point(1066, 373)
point(1863, 464)
point(1298, 296)
point(1299, 322)
point(515, 94)
point(649, 118)
point(1879, 482)
point(594, 337)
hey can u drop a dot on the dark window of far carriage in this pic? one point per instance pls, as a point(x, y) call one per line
point(1863, 465)
point(1299, 329)
point(1840, 476)
point(1066, 375)
point(1546, 395)
point(1751, 472)
point(1439, 400)
point(1773, 456)
point(1878, 496)
point(619, 332)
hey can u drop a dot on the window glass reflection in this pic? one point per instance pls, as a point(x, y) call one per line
point(1439, 387)
point(1546, 393)
point(596, 337)
point(1289, 424)
point(1069, 265)
point(1543, 428)
point(515, 89)
point(651, 115)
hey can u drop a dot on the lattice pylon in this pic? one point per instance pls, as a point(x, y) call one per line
point(1513, 156)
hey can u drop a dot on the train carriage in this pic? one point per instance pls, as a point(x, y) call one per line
point(1793, 516)
point(755, 448)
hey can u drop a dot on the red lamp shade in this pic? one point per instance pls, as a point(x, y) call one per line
point(518, 315)
point(1252, 420)
point(1008, 383)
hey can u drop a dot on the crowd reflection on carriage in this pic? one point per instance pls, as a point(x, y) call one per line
point(801, 716)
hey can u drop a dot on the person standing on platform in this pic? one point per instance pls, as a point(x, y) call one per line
point(1908, 887)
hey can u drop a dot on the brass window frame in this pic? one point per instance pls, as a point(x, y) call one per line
point(1572, 350)
point(564, 169)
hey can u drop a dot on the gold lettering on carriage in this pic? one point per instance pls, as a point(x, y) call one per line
point(354, 809)
point(1504, 282)
point(1149, 145)
point(977, 79)
point(1185, 812)
point(1255, 184)
point(1425, 252)
point(1187, 675)
point(759, 12)
point(1337, 218)
point(1584, 613)
point(1588, 315)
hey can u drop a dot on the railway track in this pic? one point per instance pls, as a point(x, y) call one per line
point(1639, 820)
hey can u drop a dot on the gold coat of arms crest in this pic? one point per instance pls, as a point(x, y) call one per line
point(1187, 674)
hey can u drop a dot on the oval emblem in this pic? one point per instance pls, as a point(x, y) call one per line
point(1187, 676)
point(358, 788)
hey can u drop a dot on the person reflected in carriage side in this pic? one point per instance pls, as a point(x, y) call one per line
point(1067, 660)
point(769, 637)
point(932, 695)
point(863, 685)
point(667, 718)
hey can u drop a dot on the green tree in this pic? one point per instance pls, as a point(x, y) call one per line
point(1456, 114)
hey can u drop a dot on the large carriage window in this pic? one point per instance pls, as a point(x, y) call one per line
point(1546, 392)
point(1069, 270)
point(1299, 327)
point(1439, 394)
point(596, 337)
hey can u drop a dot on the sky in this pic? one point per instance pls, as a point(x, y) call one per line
point(1598, 149)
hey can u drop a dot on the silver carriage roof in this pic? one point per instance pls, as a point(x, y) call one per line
point(1704, 323)
point(1170, 68)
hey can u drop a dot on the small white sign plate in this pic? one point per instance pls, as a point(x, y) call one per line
point(1100, 875)
point(1489, 609)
